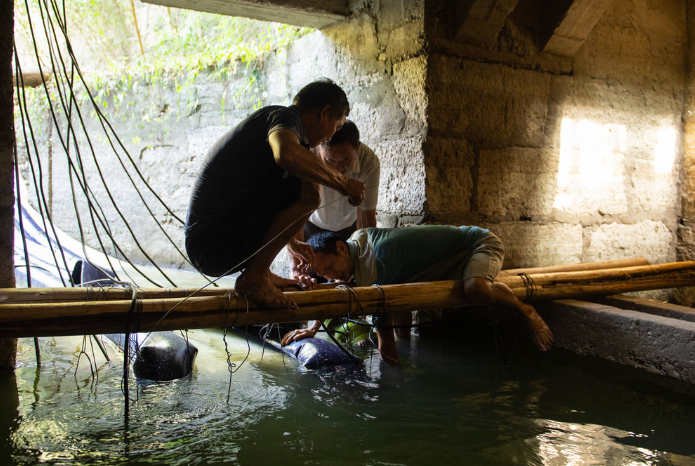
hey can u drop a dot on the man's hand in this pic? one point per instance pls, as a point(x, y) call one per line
point(296, 335)
point(354, 189)
point(305, 282)
point(301, 257)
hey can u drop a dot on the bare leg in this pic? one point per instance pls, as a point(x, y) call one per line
point(387, 345)
point(500, 295)
point(403, 321)
point(256, 281)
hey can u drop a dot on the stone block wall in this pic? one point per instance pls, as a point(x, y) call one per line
point(686, 227)
point(566, 159)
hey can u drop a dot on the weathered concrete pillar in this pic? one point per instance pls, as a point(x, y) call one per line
point(8, 347)
point(686, 231)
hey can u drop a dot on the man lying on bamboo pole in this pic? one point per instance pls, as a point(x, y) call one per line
point(385, 256)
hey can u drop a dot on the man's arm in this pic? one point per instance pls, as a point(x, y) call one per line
point(301, 162)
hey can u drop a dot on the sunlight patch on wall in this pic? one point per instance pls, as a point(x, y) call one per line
point(665, 150)
point(591, 171)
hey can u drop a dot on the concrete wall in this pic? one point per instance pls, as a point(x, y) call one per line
point(566, 159)
point(686, 227)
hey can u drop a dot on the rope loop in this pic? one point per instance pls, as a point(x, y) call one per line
point(530, 285)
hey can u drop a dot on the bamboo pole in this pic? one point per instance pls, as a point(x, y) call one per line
point(615, 264)
point(602, 274)
point(93, 317)
point(28, 295)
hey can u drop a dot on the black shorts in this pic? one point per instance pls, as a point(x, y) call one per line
point(223, 248)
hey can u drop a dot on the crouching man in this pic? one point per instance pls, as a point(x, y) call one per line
point(386, 256)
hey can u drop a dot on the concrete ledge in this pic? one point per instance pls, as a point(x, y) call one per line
point(657, 344)
point(649, 306)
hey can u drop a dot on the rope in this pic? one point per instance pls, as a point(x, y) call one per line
point(67, 101)
point(530, 286)
point(231, 366)
point(126, 352)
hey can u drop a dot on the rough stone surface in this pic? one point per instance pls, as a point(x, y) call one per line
point(490, 104)
point(167, 135)
point(409, 82)
point(657, 344)
point(636, 41)
point(686, 232)
point(648, 239)
point(402, 187)
point(516, 184)
point(449, 180)
point(650, 306)
point(529, 244)
point(614, 163)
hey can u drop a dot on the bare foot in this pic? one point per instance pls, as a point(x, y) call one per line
point(260, 290)
point(540, 332)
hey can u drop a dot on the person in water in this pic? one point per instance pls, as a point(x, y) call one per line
point(385, 256)
point(259, 185)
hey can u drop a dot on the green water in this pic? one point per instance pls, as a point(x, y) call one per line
point(451, 403)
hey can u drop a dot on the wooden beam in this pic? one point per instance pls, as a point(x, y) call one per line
point(93, 317)
point(574, 26)
point(481, 21)
point(306, 13)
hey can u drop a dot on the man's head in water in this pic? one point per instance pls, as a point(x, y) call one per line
point(331, 256)
point(323, 106)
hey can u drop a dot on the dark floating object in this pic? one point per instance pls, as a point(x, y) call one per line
point(316, 353)
point(159, 356)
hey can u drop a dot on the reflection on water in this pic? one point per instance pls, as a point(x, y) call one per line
point(451, 403)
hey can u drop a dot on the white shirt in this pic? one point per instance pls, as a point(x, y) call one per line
point(335, 213)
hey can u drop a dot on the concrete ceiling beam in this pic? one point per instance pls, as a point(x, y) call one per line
point(481, 20)
point(571, 27)
point(305, 13)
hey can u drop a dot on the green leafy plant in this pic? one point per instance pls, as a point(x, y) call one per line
point(177, 46)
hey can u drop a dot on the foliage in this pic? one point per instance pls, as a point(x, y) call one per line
point(176, 44)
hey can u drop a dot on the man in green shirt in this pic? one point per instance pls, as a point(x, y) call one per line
point(385, 256)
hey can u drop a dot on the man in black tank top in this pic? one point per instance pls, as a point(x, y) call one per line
point(259, 185)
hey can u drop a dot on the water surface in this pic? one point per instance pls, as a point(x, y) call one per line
point(453, 402)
